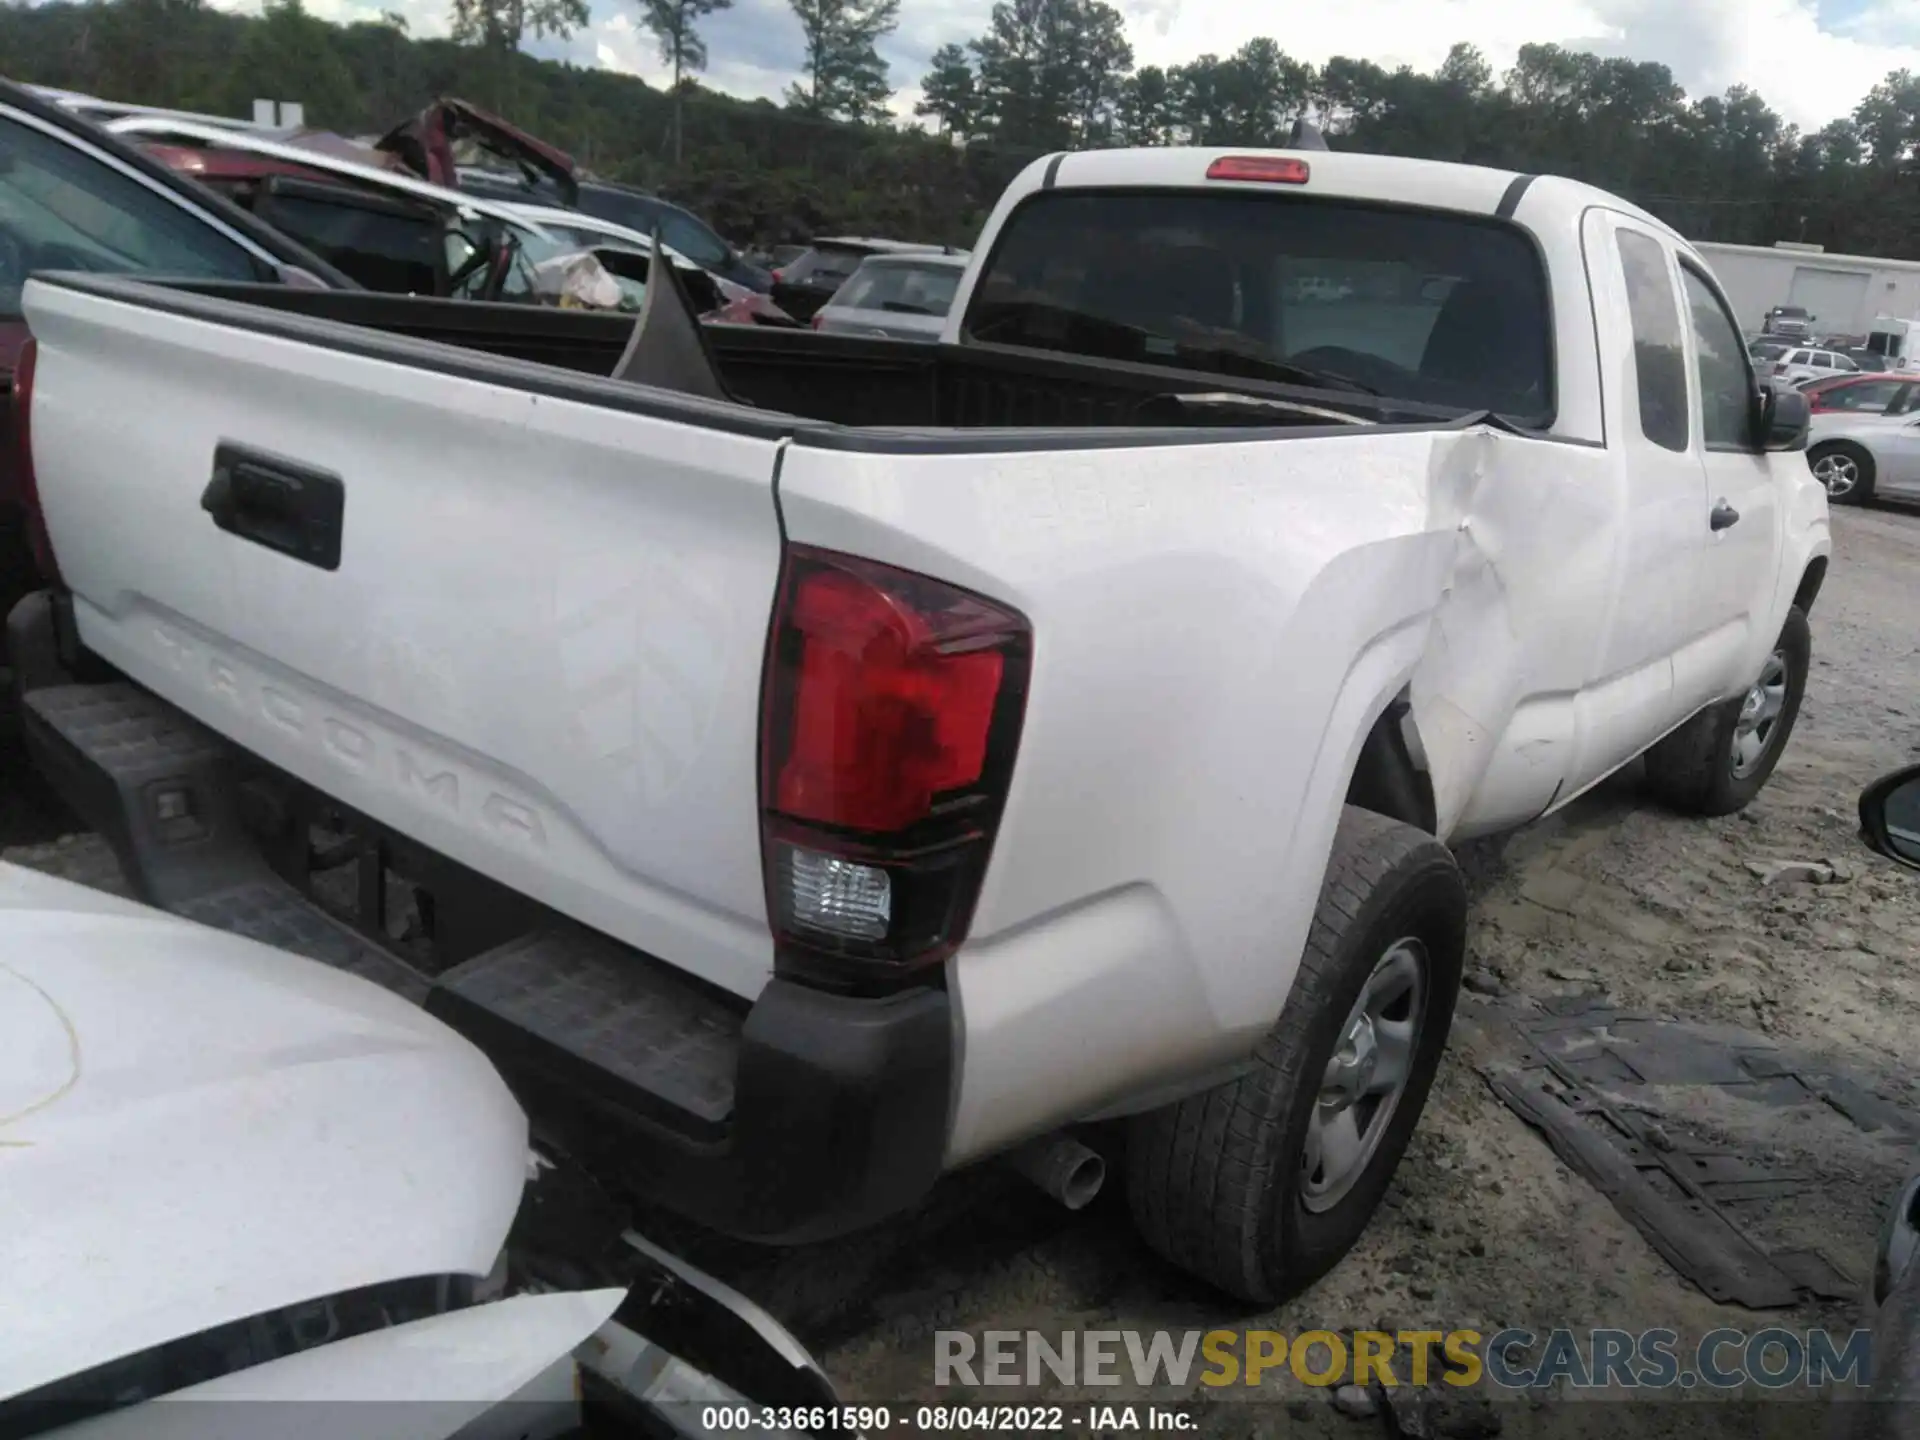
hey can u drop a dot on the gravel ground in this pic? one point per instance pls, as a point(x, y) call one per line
point(1484, 1227)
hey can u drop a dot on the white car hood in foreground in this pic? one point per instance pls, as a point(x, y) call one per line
point(421, 1381)
point(195, 1128)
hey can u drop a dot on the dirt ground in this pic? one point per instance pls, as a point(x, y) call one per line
point(1484, 1227)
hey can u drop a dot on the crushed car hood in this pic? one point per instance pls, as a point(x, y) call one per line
point(195, 1128)
point(425, 144)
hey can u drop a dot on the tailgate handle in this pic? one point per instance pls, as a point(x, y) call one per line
point(281, 504)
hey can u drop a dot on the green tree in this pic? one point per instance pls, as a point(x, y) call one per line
point(1052, 72)
point(1044, 75)
point(1147, 108)
point(948, 92)
point(845, 77)
point(290, 55)
point(497, 28)
point(672, 23)
point(1100, 60)
point(385, 64)
point(154, 47)
point(1888, 120)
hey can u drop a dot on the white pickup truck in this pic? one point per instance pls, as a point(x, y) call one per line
point(839, 761)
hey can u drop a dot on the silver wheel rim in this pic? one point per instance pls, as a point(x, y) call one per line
point(1759, 718)
point(1363, 1082)
point(1839, 473)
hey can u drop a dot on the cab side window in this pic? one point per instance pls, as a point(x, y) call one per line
point(1726, 383)
point(1659, 361)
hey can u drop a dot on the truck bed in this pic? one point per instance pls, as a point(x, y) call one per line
point(839, 379)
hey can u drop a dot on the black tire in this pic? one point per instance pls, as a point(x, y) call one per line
point(1693, 770)
point(1216, 1181)
point(1835, 457)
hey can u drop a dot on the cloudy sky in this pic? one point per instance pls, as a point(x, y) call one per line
point(1811, 59)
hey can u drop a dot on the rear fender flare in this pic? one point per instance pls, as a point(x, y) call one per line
point(1379, 676)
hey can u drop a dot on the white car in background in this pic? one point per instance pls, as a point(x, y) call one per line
point(577, 230)
point(1861, 457)
point(895, 297)
point(1809, 363)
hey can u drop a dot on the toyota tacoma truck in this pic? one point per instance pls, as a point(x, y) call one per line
point(808, 764)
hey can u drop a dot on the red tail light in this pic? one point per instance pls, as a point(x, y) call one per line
point(777, 277)
point(893, 705)
point(1271, 169)
point(26, 487)
point(817, 319)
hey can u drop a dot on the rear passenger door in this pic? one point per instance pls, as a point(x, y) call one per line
point(1738, 532)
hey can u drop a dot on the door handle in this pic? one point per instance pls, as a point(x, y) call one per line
point(1723, 515)
point(294, 509)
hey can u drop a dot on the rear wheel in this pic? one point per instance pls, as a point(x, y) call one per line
point(1845, 469)
point(1721, 758)
point(1261, 1185)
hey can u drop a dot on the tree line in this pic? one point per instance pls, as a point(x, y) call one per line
point(1054, 74)
point(1043, 75)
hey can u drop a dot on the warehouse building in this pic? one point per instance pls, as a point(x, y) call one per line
point(1844, 293)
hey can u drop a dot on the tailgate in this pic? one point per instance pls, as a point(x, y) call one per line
point(517, 615)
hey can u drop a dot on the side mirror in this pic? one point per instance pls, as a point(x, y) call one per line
point(1899, 1240)
point(1781, 418)
point(1890, 816)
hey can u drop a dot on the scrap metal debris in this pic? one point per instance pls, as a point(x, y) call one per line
point(1621, 1099)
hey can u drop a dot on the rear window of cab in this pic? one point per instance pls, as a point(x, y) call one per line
point(1418, 305)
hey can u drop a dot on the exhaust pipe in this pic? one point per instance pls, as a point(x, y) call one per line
point(1061, 1167)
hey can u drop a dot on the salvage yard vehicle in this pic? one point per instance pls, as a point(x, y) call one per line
point(728, 303)
point(815, 275)
point(73, 198)
point(1868, 394)
point(633, 210)
point(898, 297)
point(1809, 364)
point(391, 231)
point(835, 762)
point(1896, 343)
point(1860, 456)
point(1790, 321)
point(385, 1236)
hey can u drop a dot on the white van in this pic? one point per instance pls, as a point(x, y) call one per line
point(1897, 340)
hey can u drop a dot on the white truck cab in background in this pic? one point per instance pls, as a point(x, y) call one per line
point(1898, 340)
point(837, 761)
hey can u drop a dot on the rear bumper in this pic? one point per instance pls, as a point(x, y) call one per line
point(804, 1116)
point(838, 1114)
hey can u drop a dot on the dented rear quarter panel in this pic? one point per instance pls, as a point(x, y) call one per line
point(1217, 624)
